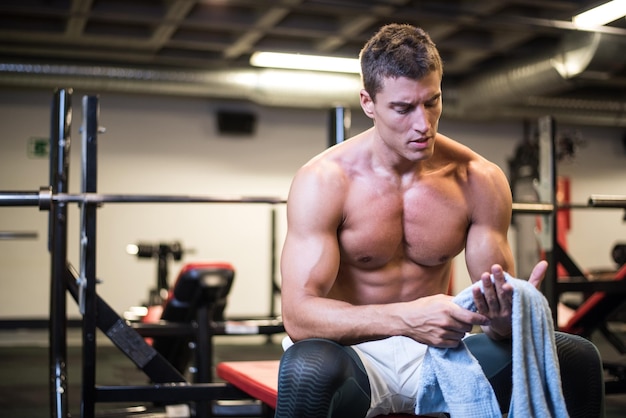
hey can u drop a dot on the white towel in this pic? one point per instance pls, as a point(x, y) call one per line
point(454, 382)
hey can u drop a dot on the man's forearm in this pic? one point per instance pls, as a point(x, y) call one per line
point(339, 321)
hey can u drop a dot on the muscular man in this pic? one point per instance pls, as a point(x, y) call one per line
point(373, 226)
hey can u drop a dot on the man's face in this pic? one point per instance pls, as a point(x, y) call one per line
point(406, 114)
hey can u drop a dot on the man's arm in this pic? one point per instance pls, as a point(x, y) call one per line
point(487, 248)
point(310, 262)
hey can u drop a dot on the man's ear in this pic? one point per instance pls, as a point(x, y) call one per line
point(367, 104)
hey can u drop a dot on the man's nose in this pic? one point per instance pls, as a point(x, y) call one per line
point(420, 121)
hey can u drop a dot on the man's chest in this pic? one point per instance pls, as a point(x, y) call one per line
point(426, 227)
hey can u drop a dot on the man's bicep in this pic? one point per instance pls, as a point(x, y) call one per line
point(487, 241)
point(309, 263)
point(314, 213)
point(487, 246)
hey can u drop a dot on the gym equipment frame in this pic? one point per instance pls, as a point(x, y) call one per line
point(576, 281)
point(168, 385)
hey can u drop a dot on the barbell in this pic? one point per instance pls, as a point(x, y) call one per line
point(45, 197)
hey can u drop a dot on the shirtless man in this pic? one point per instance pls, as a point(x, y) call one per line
point(373, 226)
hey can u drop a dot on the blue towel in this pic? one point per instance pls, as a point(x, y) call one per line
point(454, 382)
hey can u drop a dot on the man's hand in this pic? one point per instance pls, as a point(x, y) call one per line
point(495, 301)
point(439, 322)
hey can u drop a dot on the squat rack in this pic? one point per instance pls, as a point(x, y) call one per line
point(168, 385)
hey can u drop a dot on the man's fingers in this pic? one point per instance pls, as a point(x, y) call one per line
point(470, 318)
point(479, 301)
point(492, 288)
point(496, 295)
point(538, 273)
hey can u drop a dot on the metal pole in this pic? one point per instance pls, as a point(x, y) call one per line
point(95, 198)
point(87, 282)
point(9, 235)
point(59, 175)
point(17, 198)
point(608, 201)
point(533, 208)
point(45, 197)
point(547, 194)
point(275, 288)
point(204, 356)
point(339, 125)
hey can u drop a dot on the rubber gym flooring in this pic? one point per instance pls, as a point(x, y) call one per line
point(24, 372)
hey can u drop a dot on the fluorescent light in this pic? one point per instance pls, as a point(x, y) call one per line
point(601, 15)
point(305, 62)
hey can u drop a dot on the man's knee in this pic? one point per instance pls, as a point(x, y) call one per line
point(581, 375)
point(322, 375)
point(318, 362)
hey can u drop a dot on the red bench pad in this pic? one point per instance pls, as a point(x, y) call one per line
point(259, 379)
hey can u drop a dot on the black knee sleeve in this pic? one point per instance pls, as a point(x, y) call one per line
point(581, 376)
point(321, 379)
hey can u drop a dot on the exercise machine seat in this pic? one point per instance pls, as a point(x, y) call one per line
point(198, 285)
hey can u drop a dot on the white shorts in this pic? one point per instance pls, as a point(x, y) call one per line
point(392, 365)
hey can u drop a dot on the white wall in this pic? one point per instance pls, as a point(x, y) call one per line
point(156, 145)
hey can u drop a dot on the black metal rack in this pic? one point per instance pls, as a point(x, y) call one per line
point(167, 385)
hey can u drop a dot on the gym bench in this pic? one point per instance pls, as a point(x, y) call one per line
point(259, 379)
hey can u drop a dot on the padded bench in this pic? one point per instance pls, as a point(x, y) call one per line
point(194, 311)
point(259, 379)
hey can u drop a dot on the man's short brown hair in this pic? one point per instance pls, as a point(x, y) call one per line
point(398, 50)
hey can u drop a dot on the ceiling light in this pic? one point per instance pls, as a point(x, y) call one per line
point(601, 15)
point(305, 62)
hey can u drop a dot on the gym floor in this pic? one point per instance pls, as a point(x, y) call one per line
point(24, 371)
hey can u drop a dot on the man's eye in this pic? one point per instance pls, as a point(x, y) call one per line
point(432, 103)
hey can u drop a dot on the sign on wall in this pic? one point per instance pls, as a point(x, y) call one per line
point(38, 147)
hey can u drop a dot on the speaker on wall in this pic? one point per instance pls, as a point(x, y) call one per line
point(235, 122)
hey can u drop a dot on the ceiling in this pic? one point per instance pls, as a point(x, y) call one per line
point(502, 58)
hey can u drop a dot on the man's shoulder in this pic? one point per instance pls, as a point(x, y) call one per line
point(456, 148)
point(323, 170)
point(453, 154)
point(463, 154)
point(480, 173)
point(339, 157)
